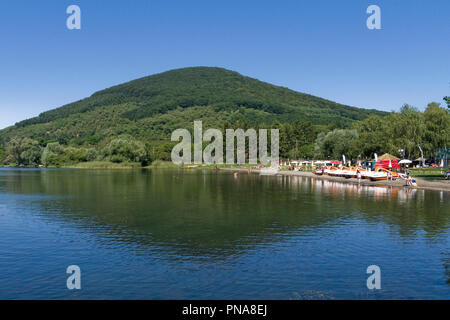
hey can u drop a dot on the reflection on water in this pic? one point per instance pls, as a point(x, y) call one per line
point(206, 234)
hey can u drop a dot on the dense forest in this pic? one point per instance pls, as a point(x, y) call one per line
point(407, 134)
point(132, 122)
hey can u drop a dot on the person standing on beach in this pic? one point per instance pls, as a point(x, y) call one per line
point(358, 175)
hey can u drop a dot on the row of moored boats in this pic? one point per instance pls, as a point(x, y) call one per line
point(352, 172)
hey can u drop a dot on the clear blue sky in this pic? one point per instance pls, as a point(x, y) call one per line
point(319, 47)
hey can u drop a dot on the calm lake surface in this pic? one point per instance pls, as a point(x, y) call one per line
point(174, 234)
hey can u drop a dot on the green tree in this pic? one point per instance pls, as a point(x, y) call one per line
point(286, 140)
point(304, 152)
point(14, 149)
point(408, 129)
point(53, 155)
point(2, 155)
point(125, 149)
point(31, 156)
point(437, 128)
point(374, 136)
point(163, 151)
point(91, 154)
point(301, 139)
point(74, 155)
point(336, 143)
point(23, 151)
point(447, 100)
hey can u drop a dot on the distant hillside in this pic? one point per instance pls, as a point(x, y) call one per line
point(150, 108)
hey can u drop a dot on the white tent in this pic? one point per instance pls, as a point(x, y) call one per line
point(405, 161)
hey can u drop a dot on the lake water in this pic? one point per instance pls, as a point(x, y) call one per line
point(174, 234)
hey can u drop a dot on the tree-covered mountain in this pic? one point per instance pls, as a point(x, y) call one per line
point(150, 108)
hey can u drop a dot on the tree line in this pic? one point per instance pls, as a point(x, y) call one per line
point(402, 133)
point(124, 149)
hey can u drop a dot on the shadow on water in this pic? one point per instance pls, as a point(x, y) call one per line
point(208, 214)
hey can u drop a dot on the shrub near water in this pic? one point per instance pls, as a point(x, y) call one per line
point(75, 155)
point(23, 151)
point(91, 154)
point(53, 155)
point(28, 152)
point(2, 155)
point(125, 150)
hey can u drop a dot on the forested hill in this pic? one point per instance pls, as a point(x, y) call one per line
point(151, 107)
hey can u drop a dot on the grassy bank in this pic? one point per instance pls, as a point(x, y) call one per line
point(429, 173)
point(169, 164)
point(105, 165)
point(161, 164)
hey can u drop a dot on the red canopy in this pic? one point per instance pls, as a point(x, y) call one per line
point(335, 162)
point(387, 164)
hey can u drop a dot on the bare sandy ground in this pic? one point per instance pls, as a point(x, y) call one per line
point(421, 183)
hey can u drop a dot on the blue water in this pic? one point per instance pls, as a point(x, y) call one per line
point(173, 234)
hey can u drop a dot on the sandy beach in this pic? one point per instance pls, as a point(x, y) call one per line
point(441, 185)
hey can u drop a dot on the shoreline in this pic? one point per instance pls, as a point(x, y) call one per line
point(443, 185)
point(421, 183)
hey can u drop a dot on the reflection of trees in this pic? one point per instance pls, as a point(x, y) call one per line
point(206, 212)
